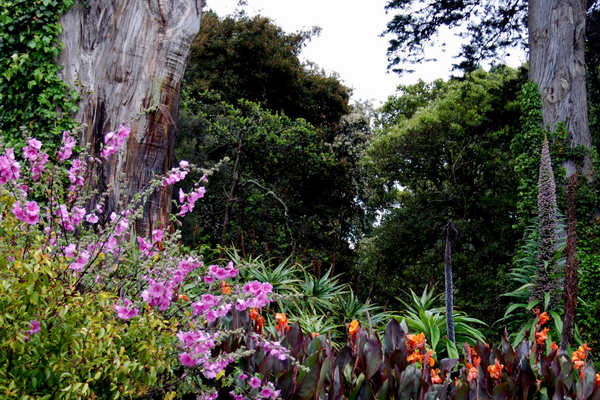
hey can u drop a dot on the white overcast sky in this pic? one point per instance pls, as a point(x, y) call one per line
point(350, 42)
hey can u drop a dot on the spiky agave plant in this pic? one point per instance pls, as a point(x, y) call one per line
point(423, 316)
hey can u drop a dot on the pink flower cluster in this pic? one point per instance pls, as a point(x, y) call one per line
point(9, 167)
point(266, 392)
point(126, 310)
point(66, 149)
point(199, 345)
point(36, 158)
point(211, 307)
point(76, 172)
point(176, 174)
point(35, 328)
point(160, 293)
point(189, 201)
point(69, 220)
point(29, 213)
point(114, 140)
point(259, 291)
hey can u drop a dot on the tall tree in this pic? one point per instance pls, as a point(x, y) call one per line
point(556, 39)
point(255, 59)
point(124, 58)
point(557, 65)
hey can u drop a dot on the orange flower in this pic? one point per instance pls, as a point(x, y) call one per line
point(597, 379)
point(315, 334)
point(353, 328)
point(225, 288)
point(542, 336)
point(476, 361)
point(182, 297)
point(472, 373)
point(415, 341)
point(579, 356)
point(415, 356)
point(496, 369)
point(281, 318)
point(543, 318)
point(431, 360)
point(254, 313)
point(553, 346)
point(282, 322)
point(260, 323)
point(435, 378)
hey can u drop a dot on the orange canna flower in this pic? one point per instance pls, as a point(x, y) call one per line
point(260, 323)
point(254, 313)
point(182, 297)
point(578, 357)
point(415, 341)
point(281, 318)
point(472, 373)
point(415, 356)
point(476, 361)
point(496, 369)
point(282, 322)
point(225, 288)
point(435, 378)
point(542, 336)
point(315, 334)
point(543, 318)
point(553, 346)
point(353, 328)
point(597, 379)
point(431, 360)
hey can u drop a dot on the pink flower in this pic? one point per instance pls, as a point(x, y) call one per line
point(183, 164)
point(157, 235)
point(70, 250)
point(243, 377)
point(209, 279)
point(221, 274)
point(186, 360)
point(266, 392)
point(35, 327)
point(254, 382)
point(66, 148)
point(156, 289)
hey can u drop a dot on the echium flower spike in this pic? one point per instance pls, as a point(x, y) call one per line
point(545, 280)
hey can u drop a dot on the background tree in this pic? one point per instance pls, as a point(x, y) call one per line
point(253, 58)
point(556, 42)
point(449, 159)
point(285, 190)
point(124, 59)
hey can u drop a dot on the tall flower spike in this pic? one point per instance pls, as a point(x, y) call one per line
point(548, 238)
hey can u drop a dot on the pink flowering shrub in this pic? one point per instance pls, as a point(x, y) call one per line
point(108, 311)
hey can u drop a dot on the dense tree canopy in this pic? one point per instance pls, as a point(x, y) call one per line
point(443, 154)
point(285, 189)
point(253, 58)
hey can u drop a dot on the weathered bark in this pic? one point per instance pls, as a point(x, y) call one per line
point(556, 64)
point(571, 267)
point(124, 57)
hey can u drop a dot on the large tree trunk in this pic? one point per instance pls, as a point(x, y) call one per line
point(125, 56)
point(556, 64)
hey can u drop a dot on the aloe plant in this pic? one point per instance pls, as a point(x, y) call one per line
point(423, 316)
